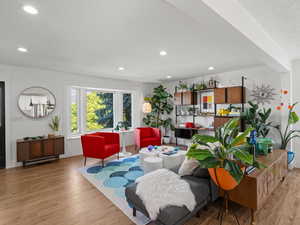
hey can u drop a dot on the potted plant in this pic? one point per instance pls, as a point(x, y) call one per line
point(54, 125)
point(225, 155)
point(201, 86)
point(182, 86)
point(258, 119)
point(289, 133)
point(161, 109)
point(122, 125)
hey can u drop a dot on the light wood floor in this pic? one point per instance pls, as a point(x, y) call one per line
point(56, 194)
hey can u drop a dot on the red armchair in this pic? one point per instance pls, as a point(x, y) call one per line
point(100, 145)
point(145, 136)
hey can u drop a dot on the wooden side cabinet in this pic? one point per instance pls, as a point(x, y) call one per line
point(220, 95)
point(185, 98)
point(229, 95)
point(31, 151)
point(235, 95)
point(257, 187)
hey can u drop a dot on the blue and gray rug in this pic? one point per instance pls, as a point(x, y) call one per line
point(112, 180)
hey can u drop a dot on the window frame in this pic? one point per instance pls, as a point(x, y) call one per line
point(82, 103)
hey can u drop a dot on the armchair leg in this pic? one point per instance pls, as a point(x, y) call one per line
point(102, 162)
point(134, 211)
point(84, 161)
point(118, 155)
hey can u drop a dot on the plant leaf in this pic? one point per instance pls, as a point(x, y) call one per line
point(199, 154)
point(210, 162)
point(204, 139)
point(293, 118)
point(259, 165)
point(234, 170)
point(240, 139)
point(244, 156)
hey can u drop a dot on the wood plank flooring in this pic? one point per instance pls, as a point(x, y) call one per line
point(56, 194)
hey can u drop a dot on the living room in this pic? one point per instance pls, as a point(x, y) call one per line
point(101, 98)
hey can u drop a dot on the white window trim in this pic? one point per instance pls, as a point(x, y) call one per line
point(117, 105)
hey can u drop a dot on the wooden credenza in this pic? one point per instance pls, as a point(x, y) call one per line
point(257, 187)
point(29, 151)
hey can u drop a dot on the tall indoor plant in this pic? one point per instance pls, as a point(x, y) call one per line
point(161, 109)
point(258, 119)
point(225, 155)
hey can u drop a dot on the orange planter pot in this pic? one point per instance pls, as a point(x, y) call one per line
point(223, 179)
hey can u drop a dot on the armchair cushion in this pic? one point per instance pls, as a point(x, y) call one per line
point(146, 132)
point(111, 149)
point(151, 141)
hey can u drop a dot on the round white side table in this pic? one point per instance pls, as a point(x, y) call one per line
point(152, 163)
point(122, 134)
point(173, 161)
point(145, 153)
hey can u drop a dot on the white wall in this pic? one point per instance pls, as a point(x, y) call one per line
point(296, 98)
point(18, 126)
point(255, 76)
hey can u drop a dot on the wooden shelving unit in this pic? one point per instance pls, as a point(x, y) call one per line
point(225, 95)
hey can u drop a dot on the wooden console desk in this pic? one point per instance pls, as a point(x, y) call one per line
point(30, 151)
point(257, 187)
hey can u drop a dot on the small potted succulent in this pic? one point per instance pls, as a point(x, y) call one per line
point(201, 86)
point(226, 155)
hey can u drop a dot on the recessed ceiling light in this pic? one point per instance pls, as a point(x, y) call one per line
point(169, 77)
point(163, 53)
point(121, 68)
point(211, 68)
point(30, 9)
point(21, 49)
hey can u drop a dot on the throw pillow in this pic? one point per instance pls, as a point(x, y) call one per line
point(188, 166)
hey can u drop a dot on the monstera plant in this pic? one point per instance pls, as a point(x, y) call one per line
point(225, 155)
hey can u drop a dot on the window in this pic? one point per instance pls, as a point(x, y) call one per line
point(74, 110)
point(127, 109)
point(99, 110)
point(96, 109)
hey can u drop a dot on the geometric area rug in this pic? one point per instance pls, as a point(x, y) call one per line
point(112, 179)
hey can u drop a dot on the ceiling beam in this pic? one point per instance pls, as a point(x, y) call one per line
point(238, 17)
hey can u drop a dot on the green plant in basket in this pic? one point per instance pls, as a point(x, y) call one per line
point(225, 155)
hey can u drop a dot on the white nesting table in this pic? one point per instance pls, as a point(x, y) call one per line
point(173, 161)
point(168, 161)
point(145, 153)
point(122, 134)
point(152, 163)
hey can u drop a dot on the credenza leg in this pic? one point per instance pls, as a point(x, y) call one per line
point(253, 222)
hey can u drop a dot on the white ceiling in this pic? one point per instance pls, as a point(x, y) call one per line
point(281, 19)
point(95, 37)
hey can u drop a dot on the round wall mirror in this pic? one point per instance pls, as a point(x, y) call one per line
point(36, 102)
